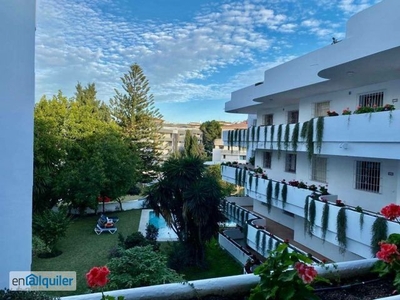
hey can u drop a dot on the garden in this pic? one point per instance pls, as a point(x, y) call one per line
point(82, 250)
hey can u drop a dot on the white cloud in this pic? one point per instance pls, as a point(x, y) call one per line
point(184, 60)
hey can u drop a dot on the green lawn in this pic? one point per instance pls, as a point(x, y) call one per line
point(83, 249)
point(219, 263)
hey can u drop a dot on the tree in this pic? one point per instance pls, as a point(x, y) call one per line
point(135, 113)
point(188, 198)
point(192, 146)
point(79, 152)
point(211, 131)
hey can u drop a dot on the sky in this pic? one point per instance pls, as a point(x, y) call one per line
point(194, 53)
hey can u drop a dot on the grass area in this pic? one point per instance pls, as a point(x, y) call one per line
point(219, 263)
point(130, 197)
point(83, 249)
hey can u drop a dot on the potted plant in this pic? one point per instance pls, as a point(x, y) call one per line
point(346, 111)
point(332, 113)
point(339, 203)
point(312, 187)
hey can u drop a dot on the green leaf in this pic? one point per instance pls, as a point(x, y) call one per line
point(288, 275)
point(287, 293)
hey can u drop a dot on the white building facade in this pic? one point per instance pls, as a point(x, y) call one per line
point(355, 156)
point(17, 81)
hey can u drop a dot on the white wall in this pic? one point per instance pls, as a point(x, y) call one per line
point(17, 80)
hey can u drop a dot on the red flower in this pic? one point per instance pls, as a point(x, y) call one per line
point(391, 211)
point(97, 277)
point(286, 241)
point(388, 252)
point(306, 273)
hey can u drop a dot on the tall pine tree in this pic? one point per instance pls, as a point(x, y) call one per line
point(134, 110)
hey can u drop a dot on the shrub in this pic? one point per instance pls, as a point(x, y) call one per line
point(26, 295)
point(151, 232)
point(39, 246)
point(179, 257)
point(50, 226)
point(135, 190)
point(140, 266)
point(136, 239)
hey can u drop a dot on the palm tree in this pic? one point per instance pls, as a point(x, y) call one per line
point(188, 197)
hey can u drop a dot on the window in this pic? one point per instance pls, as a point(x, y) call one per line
point(243, 157)
point(293, 116)
point(290, 163)
point(224, 156)
point(367, 176)
point(371, 100)
point(321, 109)
point(268, 119)
point(318, 169)
point(267, 160)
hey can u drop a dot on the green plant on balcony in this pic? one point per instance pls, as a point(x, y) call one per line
point(361, 219)
point(250, 180)
point(332, 113)
point(258, 134)
point(256, 184)
point(240, 139)
point(309, 141)
point(279, 139)
point(311, 214)
point(252, 160)
point(235, 138)
point(341, 230)
point(324, 221)
point(364, 109)
point(248, 138)
point(270, 242)
point(265, 136)
point(244, 177)
point(286, 137)
point(258, 236)
point(269, 195)
point(272, 136)
point(263, 243)
point(253, 135)
point(295, 137)
point(379, 233)
point(284, 194)
point(306, 211)
point(312, 187)
point(346, 111)
point(304, 128)
point(302, 185)
point(320, 133)
point(258, 170)
point(323, 189)
point(276, 190)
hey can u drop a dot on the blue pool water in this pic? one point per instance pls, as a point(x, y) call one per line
point(164, 232)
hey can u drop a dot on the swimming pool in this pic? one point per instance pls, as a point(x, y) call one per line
point(164, 232)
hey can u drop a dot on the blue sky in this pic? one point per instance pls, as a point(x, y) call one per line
point(193, 52)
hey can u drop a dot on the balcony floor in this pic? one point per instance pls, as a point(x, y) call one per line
point(286, 233)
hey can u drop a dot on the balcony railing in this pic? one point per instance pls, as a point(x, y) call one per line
point(342, 135)
point(358, 237)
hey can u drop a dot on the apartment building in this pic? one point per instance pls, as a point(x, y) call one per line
point(173, 137)
point(225, 153)
point(328, 120)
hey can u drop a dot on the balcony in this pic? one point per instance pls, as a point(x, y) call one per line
point(358, 236)
point(349, 135)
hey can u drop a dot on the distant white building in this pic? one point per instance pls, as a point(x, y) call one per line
point(358, 155)
point(17, 85)
point(173, 137)
point(225, 153)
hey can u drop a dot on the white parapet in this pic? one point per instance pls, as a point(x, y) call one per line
point(224, 286)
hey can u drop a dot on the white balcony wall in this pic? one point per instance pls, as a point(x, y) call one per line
point(17, 98)
point(358, 239)
point(236, 252)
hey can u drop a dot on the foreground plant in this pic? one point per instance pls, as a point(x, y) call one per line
point(389, 254)
point(285, 275)
point(98, 278)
